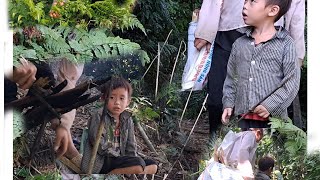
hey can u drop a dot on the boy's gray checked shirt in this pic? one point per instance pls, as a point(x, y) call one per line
point(256, 70)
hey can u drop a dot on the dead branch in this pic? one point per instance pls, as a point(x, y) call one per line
point(145, 137)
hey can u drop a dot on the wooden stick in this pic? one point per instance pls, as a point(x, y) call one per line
point(165, 42)
point(175, 62)
point(36, 93)
point(157, 78)
point(36, 119)
point(185, 144)
point(145, 137)
point(185, 107)
point(36, 142)
point(70, 164)
point(59, 87)
point(97, 142)
point(61, 96)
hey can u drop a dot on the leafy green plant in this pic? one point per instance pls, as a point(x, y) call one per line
point(76, 45)
point(101, 177)
point(312, 165)
point(25, 173)
point(296, 139)
point(287, 144)
point(75, 13)
point(141, 108)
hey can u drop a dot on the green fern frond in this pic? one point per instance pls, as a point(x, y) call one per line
point(79, 46)
point(41, 52)
point(55, 44)
point(130, 21)
point(21, 51)
point(19, 124)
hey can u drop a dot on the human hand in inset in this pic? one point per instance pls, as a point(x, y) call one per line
point(199, 43)
point(226, 115)
point(24, 75)
point(261, 111)
point(62, 141)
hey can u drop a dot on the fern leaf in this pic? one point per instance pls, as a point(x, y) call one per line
point(77, 47)
point(40, 52)
point(100, 52)
point(19, 125)
point(19, 51)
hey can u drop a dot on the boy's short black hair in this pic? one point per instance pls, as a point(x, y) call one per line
point(115, 83)
point(284, 6)
point(265, 163)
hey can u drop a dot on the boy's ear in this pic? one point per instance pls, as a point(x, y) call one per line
point(129, 101)
point(274, 10)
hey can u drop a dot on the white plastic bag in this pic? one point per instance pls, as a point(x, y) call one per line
point(226, 145)
point(198, 62)
point(218, 171)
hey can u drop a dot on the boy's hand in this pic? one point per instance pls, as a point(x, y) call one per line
point(199, 43)
point(226, 115)
point(261, 111)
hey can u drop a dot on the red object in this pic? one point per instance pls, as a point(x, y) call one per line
point(254, 116)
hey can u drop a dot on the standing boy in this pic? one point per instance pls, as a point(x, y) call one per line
point(117, 152)
point(259, 61)
point(220, 23)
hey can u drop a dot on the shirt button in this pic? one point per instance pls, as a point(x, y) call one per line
point(253, 62)
point(250, 79)
point(252, 43)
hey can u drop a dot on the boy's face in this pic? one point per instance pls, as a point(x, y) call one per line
point(118, 101)
point(255, 12)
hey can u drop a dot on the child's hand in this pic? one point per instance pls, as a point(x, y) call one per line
point(226, 115)
point(261, 111)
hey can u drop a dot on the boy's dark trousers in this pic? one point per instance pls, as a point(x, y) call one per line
point(217, 75)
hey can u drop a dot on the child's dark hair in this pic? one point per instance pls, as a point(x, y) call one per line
point(284, 6)
point(265, 163)
point(115, 83)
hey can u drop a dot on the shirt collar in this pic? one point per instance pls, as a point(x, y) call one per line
point(123, 116)
point(281, 33)
point(261, 173)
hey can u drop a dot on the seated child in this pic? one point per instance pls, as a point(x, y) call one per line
point(117, 153)
point(265, 166)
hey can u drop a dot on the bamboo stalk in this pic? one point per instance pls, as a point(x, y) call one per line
point(97, 142)
point(185, 144)
point(145, 137)
point(165, 42)
point(157, 78)
point(185, 107)
point(175, 62)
